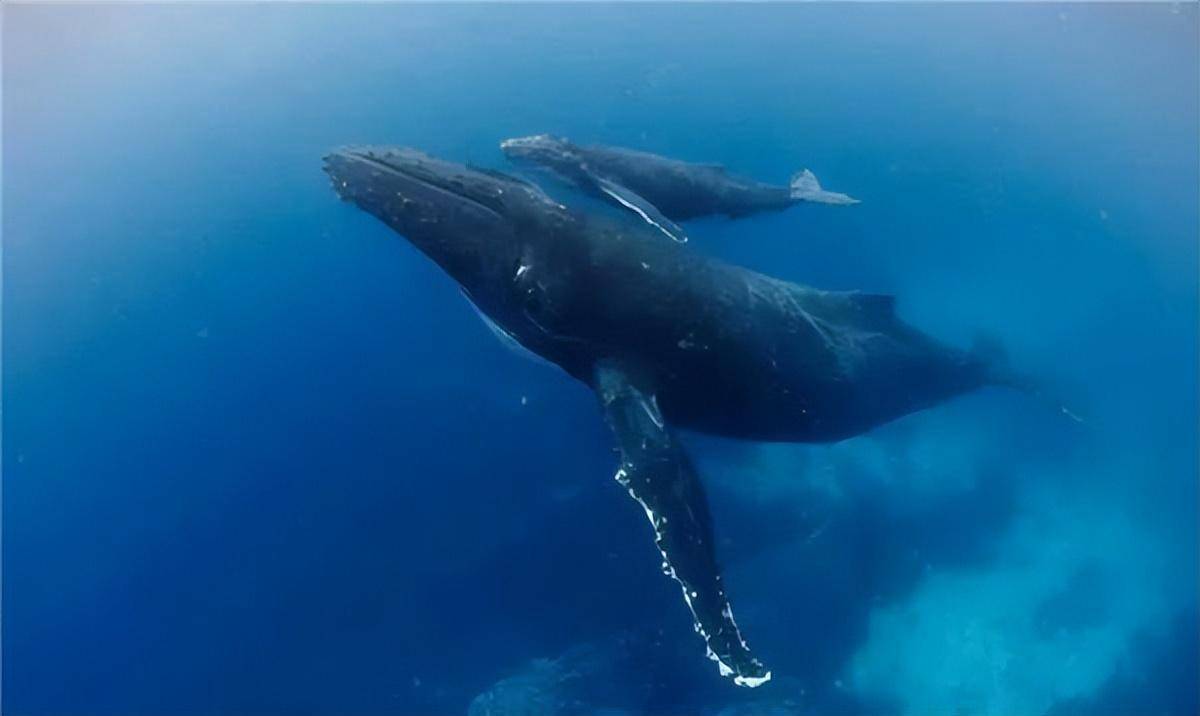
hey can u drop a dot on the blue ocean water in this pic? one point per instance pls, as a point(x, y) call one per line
point(259, 457)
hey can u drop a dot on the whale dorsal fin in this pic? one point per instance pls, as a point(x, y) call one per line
point(649, 213)
point(659, 475)
point(871, 310)
point(878, 305)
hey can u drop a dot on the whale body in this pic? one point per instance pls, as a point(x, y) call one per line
point(666, 338)
point(660, 190)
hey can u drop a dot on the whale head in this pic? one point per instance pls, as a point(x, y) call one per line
point(502, 239)
point(456, 215)
point(542, 149)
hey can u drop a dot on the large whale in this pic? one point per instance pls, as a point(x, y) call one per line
point(667, 338)
point(663, 191)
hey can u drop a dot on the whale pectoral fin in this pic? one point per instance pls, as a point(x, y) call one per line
point(649, 213)
point(659, 475)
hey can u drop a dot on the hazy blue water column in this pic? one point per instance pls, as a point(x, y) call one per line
point(259, 457)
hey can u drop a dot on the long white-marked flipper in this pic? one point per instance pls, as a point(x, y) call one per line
point(649, 213)
point(659, 475)
point(805, 187)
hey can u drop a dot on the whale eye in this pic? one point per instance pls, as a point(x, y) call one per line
point(539, 309)
point(537, 296)
point(533, 304)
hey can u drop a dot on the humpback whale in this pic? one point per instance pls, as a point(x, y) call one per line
point(667, 338)
point(660, 190)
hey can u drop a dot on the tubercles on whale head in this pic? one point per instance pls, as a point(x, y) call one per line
point(474, 223)
point(456, 215)
point(464, 219)
point(539, 148)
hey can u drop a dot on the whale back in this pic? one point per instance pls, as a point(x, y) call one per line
point(743, 354)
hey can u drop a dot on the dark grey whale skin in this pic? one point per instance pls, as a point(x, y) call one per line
point(728, 350)
point(736, 353)
point(666, 337)
point(680, 190)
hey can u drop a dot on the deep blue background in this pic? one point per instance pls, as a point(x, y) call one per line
point(260, 457)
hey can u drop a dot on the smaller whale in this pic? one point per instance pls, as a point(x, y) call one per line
point(660, 190)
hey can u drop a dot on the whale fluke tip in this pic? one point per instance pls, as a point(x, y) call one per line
point(805, 187)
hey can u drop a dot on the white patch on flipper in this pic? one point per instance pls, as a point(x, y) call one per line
point(651, 409)
point(604, 187)
point(657, 522)
point(752, 682)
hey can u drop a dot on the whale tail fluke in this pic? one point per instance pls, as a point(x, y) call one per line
point(990, 353)
point(805, 187)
